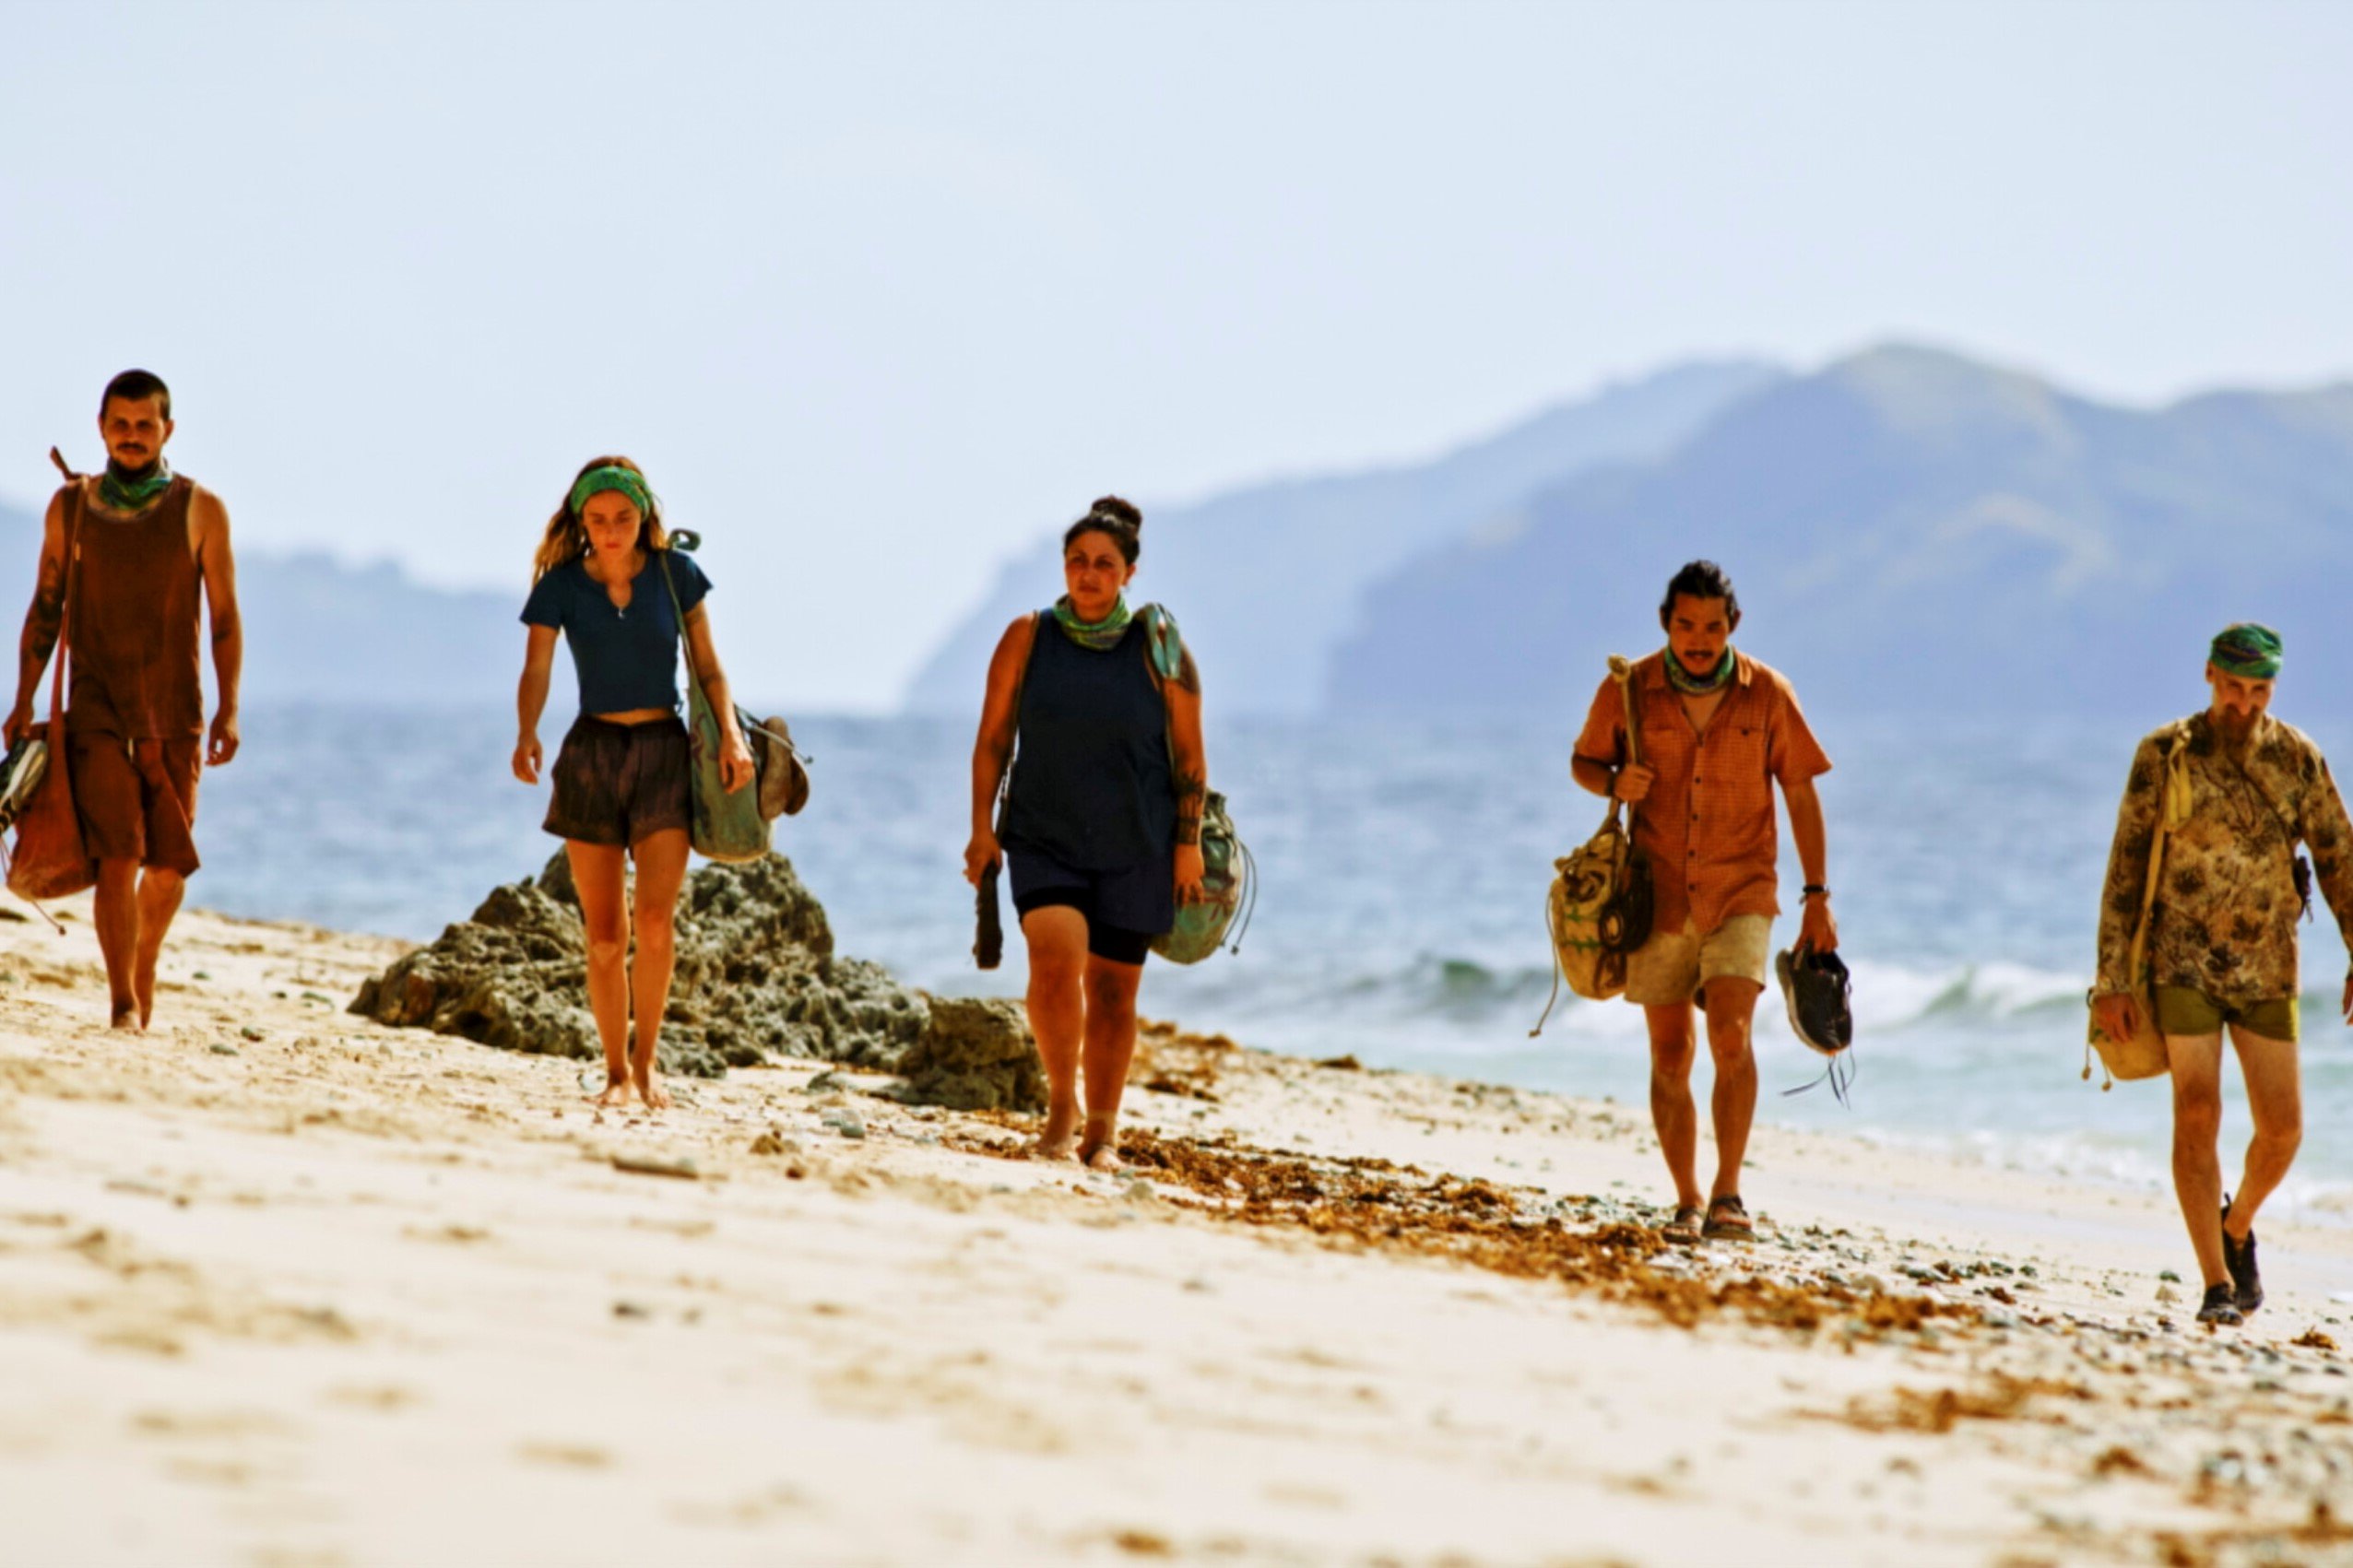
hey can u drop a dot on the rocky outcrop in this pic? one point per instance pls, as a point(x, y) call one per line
point(976, 1054)
point(756, 975)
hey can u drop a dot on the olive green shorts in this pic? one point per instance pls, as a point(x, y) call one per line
point(2183, 1010)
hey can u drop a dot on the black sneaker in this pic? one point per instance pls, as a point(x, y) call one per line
point(2220, 1307)
point(2245, 1280)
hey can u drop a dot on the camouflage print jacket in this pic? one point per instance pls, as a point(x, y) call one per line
point(2227, 904)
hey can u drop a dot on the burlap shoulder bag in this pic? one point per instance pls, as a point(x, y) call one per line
point(2143, 1056)
point(50, 861)
point(726, 827)
point(1598, 908)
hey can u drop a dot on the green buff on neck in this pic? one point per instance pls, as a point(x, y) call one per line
point(125, 490)
point(1099, 635)
point(1708, 685)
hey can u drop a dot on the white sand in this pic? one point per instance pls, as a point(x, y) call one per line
point(344, 1295)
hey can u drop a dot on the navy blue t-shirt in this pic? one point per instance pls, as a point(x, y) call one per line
point(628, 658)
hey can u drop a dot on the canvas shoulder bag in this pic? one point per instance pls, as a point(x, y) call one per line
point(729, 828)
point(1598, 908)
point(50, 861)
point(2143, 1056)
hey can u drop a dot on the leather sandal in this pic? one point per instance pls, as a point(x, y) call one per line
point(1682, 1231)
point(1728, 1220)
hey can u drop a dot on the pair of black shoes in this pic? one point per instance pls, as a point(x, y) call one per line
point(2230, 1304)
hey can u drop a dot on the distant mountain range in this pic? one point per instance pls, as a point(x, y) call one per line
point(1267, 580)
point(320, 631)
point(1908, 530)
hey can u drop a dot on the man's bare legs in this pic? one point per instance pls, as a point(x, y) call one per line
point(1058, 967)
point(2276, 1103)
point(1110, 1046)
point(1731, 1008)
point(2197, 1063)
point(114, 910)
point(600, 873)
point(661, 870)
point(157, 902)
point(133, 913)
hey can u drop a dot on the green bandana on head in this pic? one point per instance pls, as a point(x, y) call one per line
point(128, 489)
point(2248, 651)
point(1100, 635)
point(611, 477)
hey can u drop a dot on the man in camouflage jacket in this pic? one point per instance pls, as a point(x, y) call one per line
point(2221, 945)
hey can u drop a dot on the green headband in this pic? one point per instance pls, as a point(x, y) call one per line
point(2247, 651)
point(612, 477)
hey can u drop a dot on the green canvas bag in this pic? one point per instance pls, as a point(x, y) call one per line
point(726, 828)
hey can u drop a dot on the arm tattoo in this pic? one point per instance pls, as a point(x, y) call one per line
point(1192, 792)
point(47, 610)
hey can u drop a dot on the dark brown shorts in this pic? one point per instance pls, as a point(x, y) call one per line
point(616, 783)
point(137, 799)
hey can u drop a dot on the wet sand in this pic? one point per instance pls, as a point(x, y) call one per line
point(280, 1287)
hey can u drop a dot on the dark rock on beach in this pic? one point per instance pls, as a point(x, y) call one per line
point(975, 1056)
point(756, 975)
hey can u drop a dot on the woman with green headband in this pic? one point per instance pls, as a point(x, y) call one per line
point(622, 778)
point(1101, 813)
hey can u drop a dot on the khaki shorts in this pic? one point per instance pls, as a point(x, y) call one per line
point(1672, 968)
point(2188, 1012)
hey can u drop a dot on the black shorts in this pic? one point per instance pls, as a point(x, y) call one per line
point(617, 784)
point(1125, 909)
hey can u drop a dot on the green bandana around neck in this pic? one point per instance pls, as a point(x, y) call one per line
point(1692, 684)
point(1100, 635)
point(125, 490)
point(612, 477)
point(2248, 651)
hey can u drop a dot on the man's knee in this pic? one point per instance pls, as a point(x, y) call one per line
point(2197, 1111)
point(1672, 1053)
point(608, 946)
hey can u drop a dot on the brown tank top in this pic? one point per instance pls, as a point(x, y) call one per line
point(136, 669)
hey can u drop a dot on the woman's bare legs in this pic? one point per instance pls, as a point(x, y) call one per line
point(662, 869)
point(600, 872)
point(1110, 1046)
point(1058, 968)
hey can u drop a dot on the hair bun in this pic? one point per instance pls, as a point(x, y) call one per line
point(1122, 510)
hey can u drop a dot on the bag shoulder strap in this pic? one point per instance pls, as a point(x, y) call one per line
point(2172, 811)
point(681, 539)
point(1622, 672)
point(73, 505)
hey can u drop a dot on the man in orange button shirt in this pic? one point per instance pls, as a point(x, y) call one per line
point(1718, 729)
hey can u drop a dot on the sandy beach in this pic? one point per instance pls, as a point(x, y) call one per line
point(283, 1287)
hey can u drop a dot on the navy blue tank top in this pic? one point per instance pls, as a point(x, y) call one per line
point(1091, 786)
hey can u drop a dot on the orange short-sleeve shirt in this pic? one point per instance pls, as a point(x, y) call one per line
point(1709, 825)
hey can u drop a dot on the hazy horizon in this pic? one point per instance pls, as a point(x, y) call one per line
point(880, 295)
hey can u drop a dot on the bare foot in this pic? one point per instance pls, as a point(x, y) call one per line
point(143, 988)
point(1100, 1150)
point(1104, 1158)
point(618, 1091)
point(649, 1089)
point(128, 1021)
point(1059, 1138)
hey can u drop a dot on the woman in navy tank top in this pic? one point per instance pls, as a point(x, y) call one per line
point(1102, 814)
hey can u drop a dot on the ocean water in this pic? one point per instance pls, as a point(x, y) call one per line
point(1401, 914)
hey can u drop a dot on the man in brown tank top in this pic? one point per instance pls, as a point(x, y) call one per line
point(147, 541)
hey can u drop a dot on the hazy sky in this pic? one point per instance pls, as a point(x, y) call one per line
point(877, 292)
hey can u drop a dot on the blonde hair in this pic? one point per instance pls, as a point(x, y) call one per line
point(566, 540)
